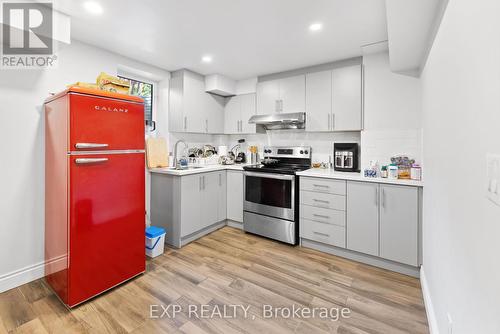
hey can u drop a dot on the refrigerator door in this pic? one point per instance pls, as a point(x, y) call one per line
point(107, 221)
point(100, 123)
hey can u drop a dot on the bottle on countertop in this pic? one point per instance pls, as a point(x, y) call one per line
point(383, 172)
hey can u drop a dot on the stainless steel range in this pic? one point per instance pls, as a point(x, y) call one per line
point(271, 203)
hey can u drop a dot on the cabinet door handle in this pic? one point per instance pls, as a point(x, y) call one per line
point(206, 125)
point(321, 234)
point(377, 195)
point(185, 122)
point(200, 182)
point(321, 186)
point(333, 121)
point(329, 122)
point(383, 197)
point(220, 180)
point(321, 216)
point(204, 182)
point(321, 201)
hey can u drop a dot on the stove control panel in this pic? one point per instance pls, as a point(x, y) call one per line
point(303, 152)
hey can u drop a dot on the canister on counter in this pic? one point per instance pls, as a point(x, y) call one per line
point(416, 172)
point(393, 171)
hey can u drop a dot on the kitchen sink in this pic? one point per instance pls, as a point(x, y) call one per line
point(189, 168)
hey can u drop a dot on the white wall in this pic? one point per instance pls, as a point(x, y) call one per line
point(461, 108)
point(392, 112)
point(22, 93)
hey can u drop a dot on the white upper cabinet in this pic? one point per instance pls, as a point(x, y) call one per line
point(248, 109)
point(319, 101)
point(191, 109)
point(347, 100)
point(293, 94)
point(268, 95)
point(281, 95)
point(237, 112)
point(334, 100)
point(232, 115)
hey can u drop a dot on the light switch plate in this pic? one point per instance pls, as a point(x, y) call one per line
point(493, 178)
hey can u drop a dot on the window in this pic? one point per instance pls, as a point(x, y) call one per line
point(144, 90)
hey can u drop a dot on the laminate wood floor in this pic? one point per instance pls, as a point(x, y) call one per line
point(229, 267)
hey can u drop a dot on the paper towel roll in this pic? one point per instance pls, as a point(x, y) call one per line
point(222, 151)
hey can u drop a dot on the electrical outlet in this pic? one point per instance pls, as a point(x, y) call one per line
point(450, 324)
point(493, 177)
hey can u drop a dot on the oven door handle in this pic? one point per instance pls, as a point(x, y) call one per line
point(271, 176)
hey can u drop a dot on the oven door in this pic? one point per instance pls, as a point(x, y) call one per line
point(270, 194)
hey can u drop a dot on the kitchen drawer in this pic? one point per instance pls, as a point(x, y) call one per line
point(335, 217)
point(330, 186)
point(325, 233)
point(322, 200)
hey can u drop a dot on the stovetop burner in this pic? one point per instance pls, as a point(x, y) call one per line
point(289, 160)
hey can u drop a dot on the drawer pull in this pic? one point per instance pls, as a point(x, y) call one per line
point(321, 216)
point(321, 234)
point(321, 186)
point(321, 201)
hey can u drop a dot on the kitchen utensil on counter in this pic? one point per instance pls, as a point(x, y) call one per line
point(269, 161)
point(254, 155)
point(208, 151)
point(156, 152)
point(226, 160)
point(241, 158)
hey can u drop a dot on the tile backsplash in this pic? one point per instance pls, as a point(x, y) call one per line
point(321, 143)
point(378, 145)
point(381, 145)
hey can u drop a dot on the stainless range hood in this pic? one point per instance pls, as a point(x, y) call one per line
point(296, 120)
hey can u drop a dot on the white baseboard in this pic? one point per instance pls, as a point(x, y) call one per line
point(30, 273)
point(429, 307)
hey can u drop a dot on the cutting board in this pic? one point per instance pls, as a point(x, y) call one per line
point(157, 152)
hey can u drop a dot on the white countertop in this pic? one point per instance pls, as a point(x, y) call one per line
point(204, 169)
point(331, 174)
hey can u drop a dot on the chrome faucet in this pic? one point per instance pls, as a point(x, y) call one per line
point(175, 152)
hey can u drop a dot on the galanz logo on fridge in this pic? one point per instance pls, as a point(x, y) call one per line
point(104, 108)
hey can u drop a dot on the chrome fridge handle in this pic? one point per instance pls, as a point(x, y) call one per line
point(90, 145)
point(86, 161)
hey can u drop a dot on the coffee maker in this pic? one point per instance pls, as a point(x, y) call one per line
point(346, 157)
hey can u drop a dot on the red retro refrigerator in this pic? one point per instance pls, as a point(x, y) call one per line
point(94, 192)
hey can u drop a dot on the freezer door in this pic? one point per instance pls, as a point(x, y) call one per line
point(107, 221)
point(99, 123)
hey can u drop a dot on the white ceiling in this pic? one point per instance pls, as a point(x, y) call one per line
point(246, 38)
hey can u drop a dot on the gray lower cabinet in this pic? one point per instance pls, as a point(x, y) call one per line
point(362, 217)
point(188, 206)
point(399, 223)
point(235, 195)
point(380, 220)
point(190, 217)
point(383, 220)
